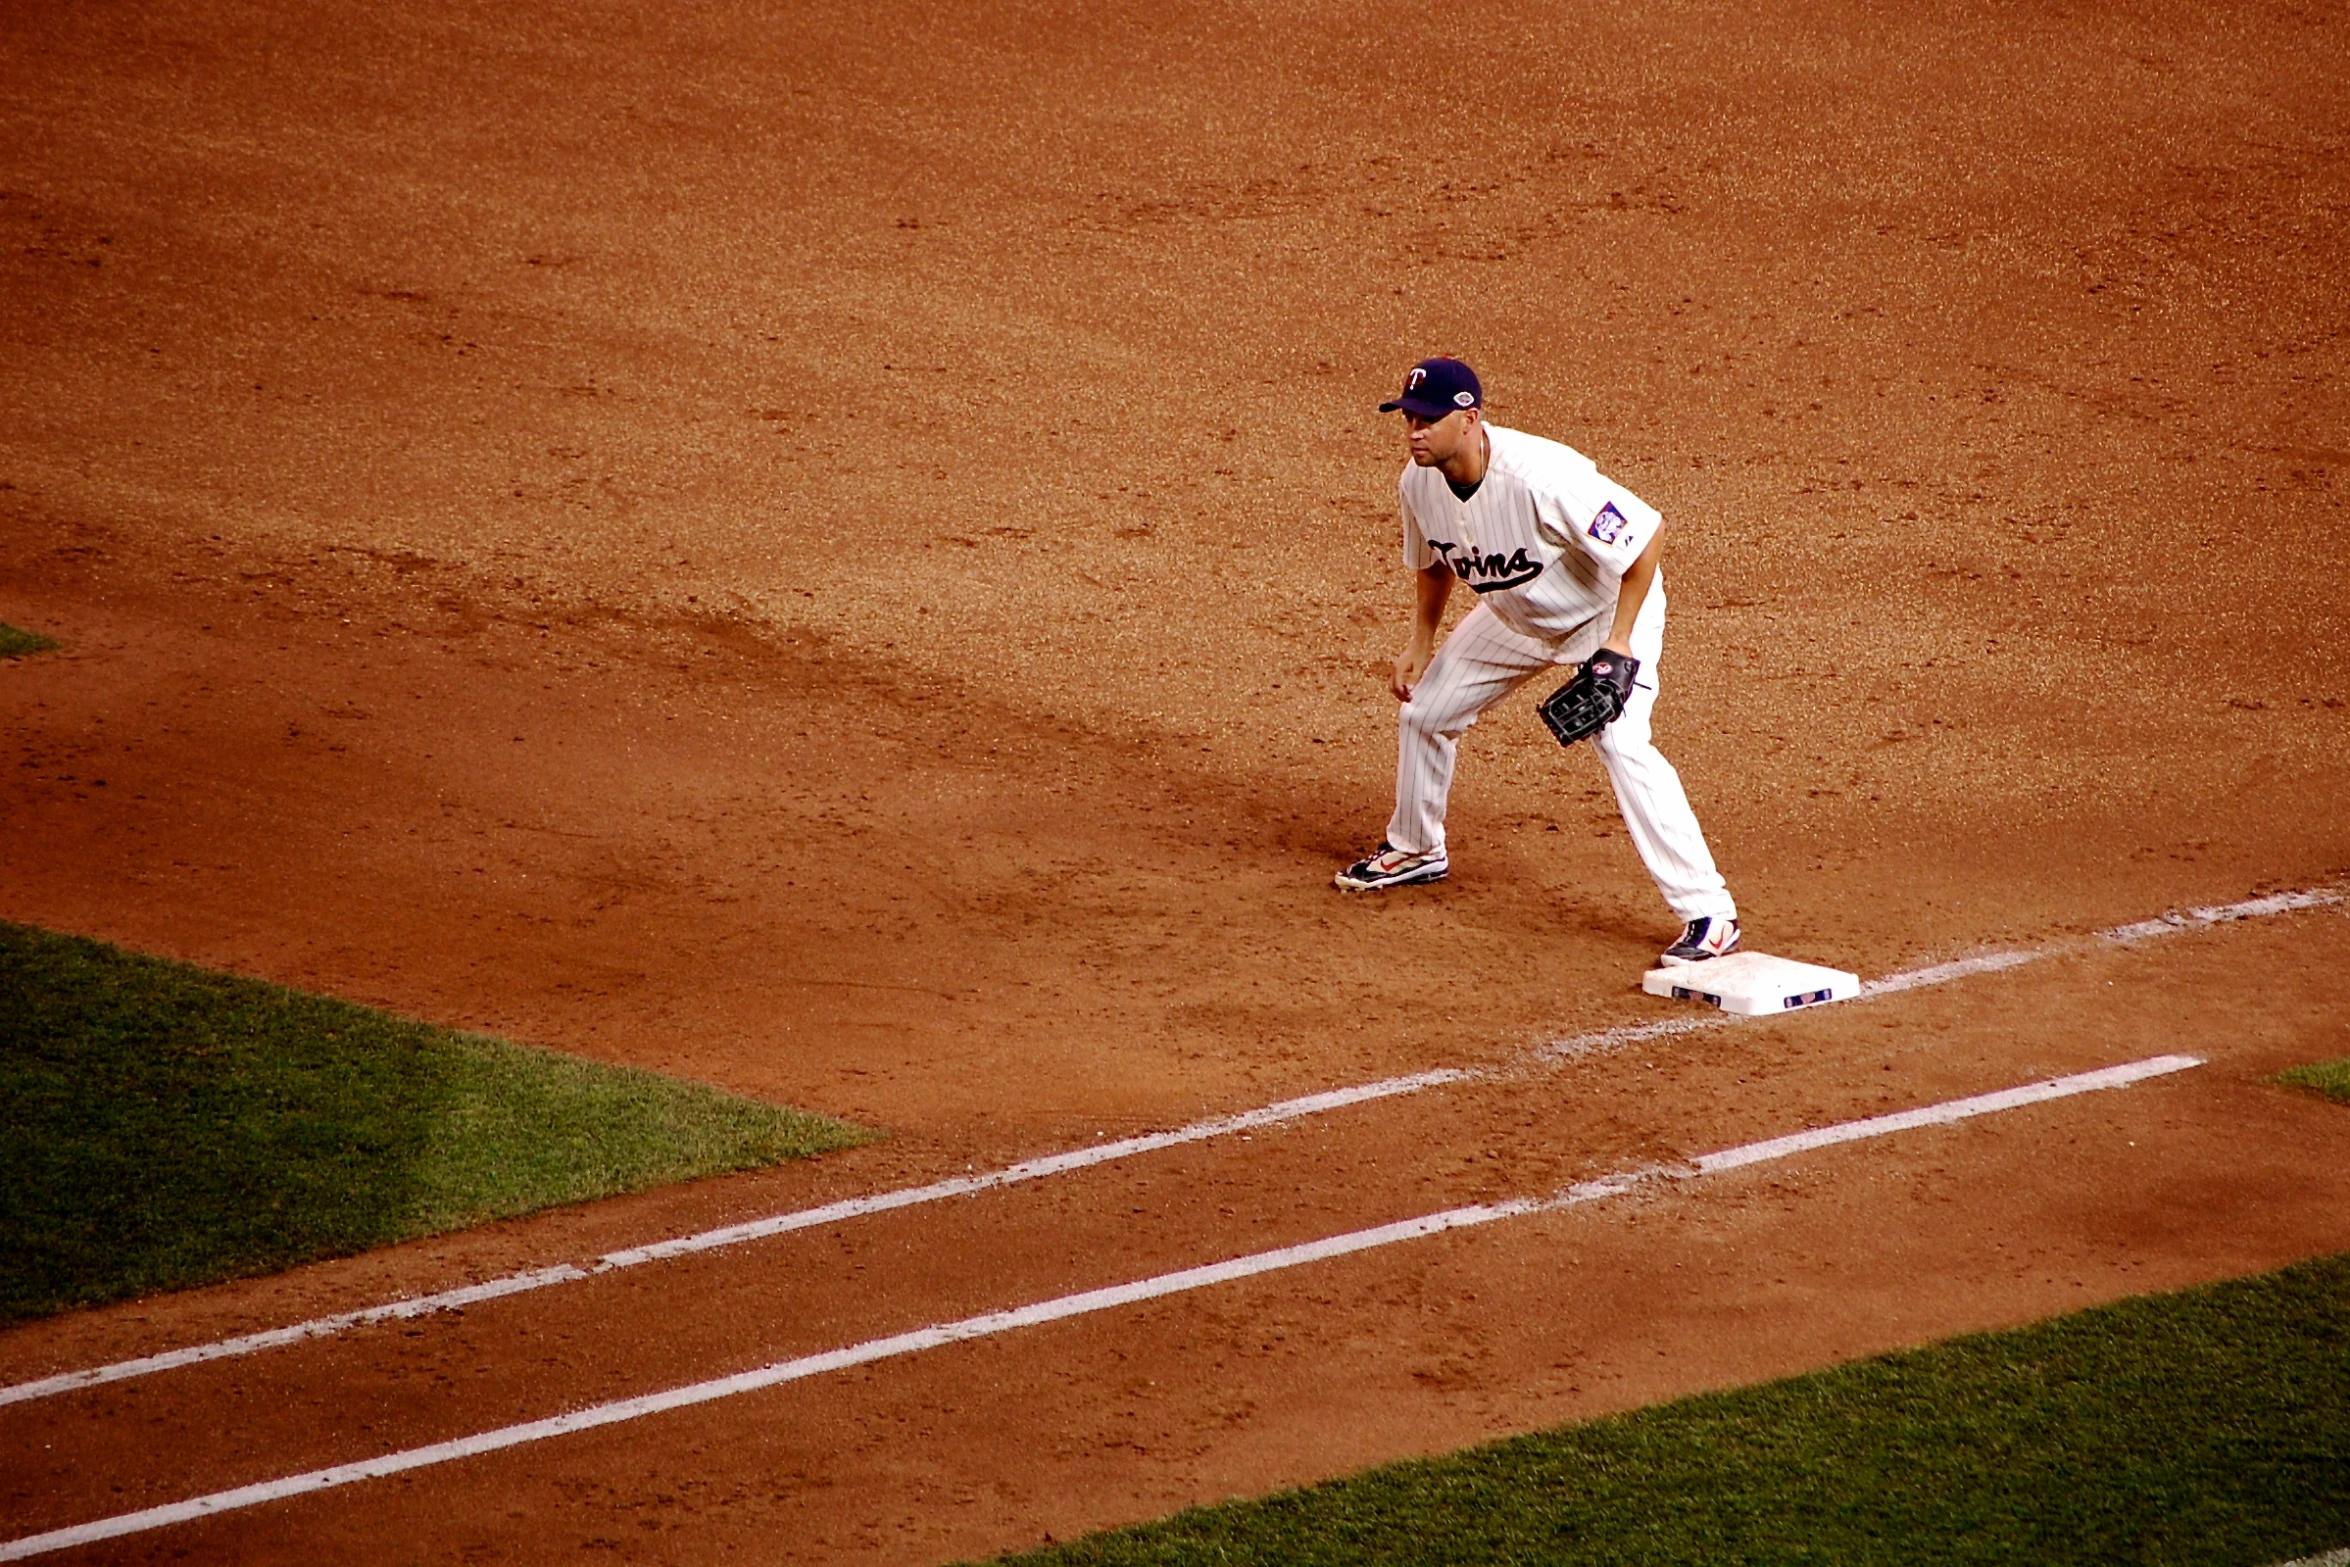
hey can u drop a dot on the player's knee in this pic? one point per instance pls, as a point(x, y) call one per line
point(1420, 721)
point(1413, 719)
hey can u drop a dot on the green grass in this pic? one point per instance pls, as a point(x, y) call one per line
point(167, 1126)
point(2210, 1427)
point(2330, 1078)
point(16, 644)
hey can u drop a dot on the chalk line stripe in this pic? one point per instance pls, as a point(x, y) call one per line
point(1943, 1114)
point(1062, 1307)
point(1944, 973)
point(1629, 1034)
point(735, 1234)
point(1037, 1169)
point(1101, 1153)
point(316, 1327)
point(2221, 914)
point(933, 1337)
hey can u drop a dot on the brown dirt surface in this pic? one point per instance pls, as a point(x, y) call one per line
point(845, 553)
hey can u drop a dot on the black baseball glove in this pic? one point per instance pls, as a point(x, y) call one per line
point(1593, 700)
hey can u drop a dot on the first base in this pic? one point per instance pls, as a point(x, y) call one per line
point(1752, 984)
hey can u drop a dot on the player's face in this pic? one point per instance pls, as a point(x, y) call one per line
point(1436, 441)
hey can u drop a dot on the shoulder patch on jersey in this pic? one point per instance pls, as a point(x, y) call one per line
point(1609, 525)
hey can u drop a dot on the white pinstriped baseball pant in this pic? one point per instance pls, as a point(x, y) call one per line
point(1484, 661)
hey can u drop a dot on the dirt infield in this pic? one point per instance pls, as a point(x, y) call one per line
point(845, 554)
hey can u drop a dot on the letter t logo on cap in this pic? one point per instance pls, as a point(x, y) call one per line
point(1435, 387)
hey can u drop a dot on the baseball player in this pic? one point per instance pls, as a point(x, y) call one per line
point(1564, 565)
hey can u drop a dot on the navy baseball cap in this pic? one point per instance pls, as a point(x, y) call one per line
point(1436, 387)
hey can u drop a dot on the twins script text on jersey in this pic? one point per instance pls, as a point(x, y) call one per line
point(1543, 541)
point(1487, 572)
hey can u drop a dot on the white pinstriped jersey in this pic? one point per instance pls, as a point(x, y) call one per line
point(1545, 540)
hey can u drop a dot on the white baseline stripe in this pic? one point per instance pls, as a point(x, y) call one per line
point(735, 1234)
point(1628, 1034)
point(1036, 1169)
point(1100, 1153)
point(1062, 1307)
point(1944, 973)
point(2220, 914)
point(1943, 1114)
point(316, 1327)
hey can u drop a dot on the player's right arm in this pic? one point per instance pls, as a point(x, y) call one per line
point(1431, 587)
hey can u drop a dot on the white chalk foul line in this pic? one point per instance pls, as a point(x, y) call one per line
point(1943, 1114)
point(736, 1234)
point(1037, 1169)
point(1063, 1307)
point(2224, 913)
point(1085, 1158)
point(275, 1338)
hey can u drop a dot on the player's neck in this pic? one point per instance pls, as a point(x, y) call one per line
point(1467, 466)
